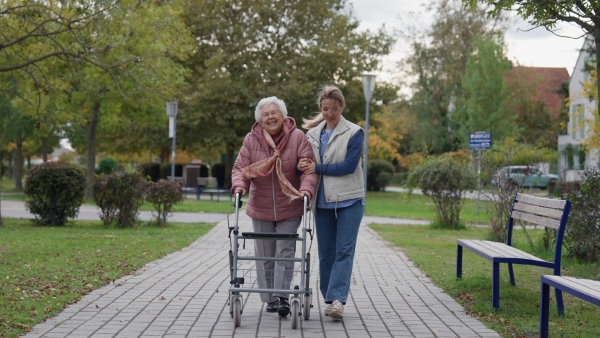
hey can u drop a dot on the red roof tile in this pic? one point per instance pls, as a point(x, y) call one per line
point(545, 82)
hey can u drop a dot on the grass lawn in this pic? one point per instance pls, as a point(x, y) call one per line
point(434, 252)
point(194, 205)
point(43, 269)
point(414, 206)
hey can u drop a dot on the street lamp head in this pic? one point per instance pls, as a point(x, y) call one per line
point(172, 108)
point(368, 81)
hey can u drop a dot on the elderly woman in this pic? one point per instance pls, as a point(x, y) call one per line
point(267, 167)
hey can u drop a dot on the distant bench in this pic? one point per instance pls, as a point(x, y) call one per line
point(181, 181)
point(210, 185)
point(586, 289)
point(533, 210)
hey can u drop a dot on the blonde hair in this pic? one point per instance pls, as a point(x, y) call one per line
point(326, 92)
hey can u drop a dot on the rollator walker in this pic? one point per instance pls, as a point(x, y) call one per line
point(300, 295)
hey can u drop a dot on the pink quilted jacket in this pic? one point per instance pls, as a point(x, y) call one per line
point(267, 202)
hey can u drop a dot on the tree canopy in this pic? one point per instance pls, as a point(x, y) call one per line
point(249, 49)
point(438, 63)
point(582, 13)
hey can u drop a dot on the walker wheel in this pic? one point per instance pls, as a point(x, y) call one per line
point(306, 307)
point(237, 312)
point(295, 311)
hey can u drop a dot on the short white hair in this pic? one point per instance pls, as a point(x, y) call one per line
point(267, 101)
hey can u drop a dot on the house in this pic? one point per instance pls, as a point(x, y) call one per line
point(544, 84)
point(572, 158)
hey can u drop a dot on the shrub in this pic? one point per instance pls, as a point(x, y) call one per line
point(379, 174)
point(163, 195)
point(582, 235)
point(445, 179)
point(502, 154)
point(119, 197)
point(107, 166)
point(553, 188)
point(55, 192)
point(151, 170)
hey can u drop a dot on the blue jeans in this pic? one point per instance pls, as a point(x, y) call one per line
point(336, 238)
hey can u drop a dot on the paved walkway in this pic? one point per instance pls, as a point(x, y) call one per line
point(185, 294)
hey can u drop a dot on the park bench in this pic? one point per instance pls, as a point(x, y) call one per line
point(529, 210)
point(182, 182)
point(586, 289)
point(210, 185)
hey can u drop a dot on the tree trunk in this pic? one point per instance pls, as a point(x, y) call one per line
point(10, 168)
point(164, 155)
point(1, 223)
point(1, 162)
point(228, 165)
point(19, 164)
point(90, 137)
point(45, 151)
point(597, 48)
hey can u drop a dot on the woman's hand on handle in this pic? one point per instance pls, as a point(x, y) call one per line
point(307, 194)
point(241, 191)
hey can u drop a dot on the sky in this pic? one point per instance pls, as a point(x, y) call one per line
point(535, 48)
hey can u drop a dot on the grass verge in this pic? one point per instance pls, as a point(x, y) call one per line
point(414, 206)
point(43, 269)
point(434, 252)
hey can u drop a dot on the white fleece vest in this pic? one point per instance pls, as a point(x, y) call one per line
point(338, 188)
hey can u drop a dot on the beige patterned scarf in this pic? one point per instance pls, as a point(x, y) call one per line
point(265, 167)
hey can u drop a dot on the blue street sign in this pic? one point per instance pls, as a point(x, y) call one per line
point(480, 140)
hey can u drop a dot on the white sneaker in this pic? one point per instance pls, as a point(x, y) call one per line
point(337, 310)
point(328, 309)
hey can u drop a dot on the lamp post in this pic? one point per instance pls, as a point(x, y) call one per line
point(172, 113)
point(368, 81)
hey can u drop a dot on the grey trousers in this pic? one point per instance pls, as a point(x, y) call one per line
point(271, 274)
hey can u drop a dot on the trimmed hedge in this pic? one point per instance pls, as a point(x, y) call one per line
point(55, 191)
point(163, 195)
point(119, 197)
point(380, 174)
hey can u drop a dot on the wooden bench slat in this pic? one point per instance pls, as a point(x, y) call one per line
point(535, 219)
point(498, 250)
point(534, 209)
point(585, 286)
point(585, 289)
point(544, 202)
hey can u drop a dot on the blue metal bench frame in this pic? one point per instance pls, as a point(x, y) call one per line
point(210, 185)
point(182, 182)
point(535, 211)
point(586, 289)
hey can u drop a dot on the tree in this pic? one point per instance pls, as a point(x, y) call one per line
point(384, 138)
point(535, 120)
point(17, 129)
point(486, 93)
point(438, 62)
point(582, 13)
point(36, 31)
point(84, 96)
point(249, 49)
